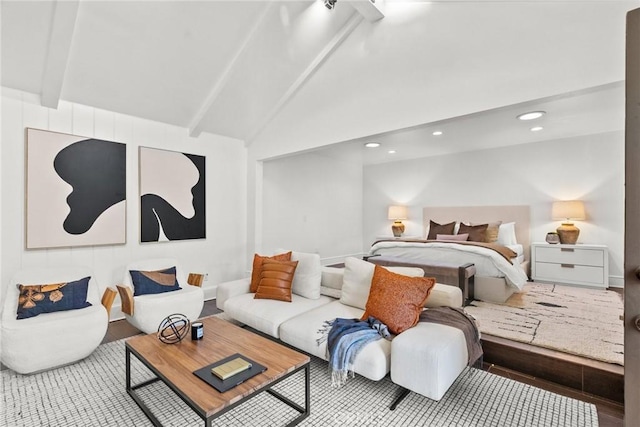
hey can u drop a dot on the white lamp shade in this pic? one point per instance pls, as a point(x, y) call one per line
point(397, 212)
point(568, 210)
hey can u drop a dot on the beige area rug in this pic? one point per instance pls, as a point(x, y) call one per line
point(575, 320)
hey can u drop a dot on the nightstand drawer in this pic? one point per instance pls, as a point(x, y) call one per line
point(577, 256)
point(570, 273)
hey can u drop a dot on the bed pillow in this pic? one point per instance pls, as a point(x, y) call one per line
point(397, 300)
point(49, 298)
point(257, 267)
point(276, 279)
point(154, 282)
point(454, 237)
point(477, 233)
point(507, 234)
point(356, 281)
point(492, 231)
point(435, 229)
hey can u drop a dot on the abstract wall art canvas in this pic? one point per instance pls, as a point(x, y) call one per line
point(75, 191)
point(172, 196)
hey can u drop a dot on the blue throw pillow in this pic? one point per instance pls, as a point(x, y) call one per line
point(37, 299)
point(154, 282)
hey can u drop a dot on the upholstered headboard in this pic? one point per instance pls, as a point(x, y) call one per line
point(479, 214)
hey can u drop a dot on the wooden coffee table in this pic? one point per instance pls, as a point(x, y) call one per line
point(174, 364)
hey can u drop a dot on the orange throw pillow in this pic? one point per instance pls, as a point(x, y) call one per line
point(257, 268)
point(276, 279)
point(397, 300)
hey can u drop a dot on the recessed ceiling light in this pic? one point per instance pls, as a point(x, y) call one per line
point(372, 144)
point(531, 115)
point(391, 151)
point(536, 128)
point(437, 133)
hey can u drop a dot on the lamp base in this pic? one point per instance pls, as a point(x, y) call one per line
point(397, 228)
point(568, 233)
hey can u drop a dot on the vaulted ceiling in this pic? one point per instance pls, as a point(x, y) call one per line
point(285, 76)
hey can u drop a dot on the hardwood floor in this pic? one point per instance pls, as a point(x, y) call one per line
point(610, 412)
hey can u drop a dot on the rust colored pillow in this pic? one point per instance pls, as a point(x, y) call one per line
point(477, 233)
point(276, 279)
point(397, 300)
point(257, 267)
point(435, 229)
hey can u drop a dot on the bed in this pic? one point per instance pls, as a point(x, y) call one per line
point(496, 278)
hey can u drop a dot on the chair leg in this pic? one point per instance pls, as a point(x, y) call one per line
point(404, 392)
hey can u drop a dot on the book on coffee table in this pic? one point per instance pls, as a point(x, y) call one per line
point(227, 373)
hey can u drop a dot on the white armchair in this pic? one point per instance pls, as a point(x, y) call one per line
point(145, 312)
point(49, 340)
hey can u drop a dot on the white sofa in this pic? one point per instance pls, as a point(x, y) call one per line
point(440, 351)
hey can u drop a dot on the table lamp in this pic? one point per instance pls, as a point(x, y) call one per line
point(566, 211)
point(396, 214)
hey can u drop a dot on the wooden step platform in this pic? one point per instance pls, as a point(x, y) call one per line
point(587, 376)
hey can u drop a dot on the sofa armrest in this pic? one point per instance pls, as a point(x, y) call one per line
point(231, 289)
point(444, 296)
point(126, 298)
point(107, 299)
point(195, 279)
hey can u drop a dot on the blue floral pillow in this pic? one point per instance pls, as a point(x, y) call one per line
point(36, 299)
point(154, 282)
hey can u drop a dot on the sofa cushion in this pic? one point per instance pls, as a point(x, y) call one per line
point(154, 282)
point(275, 280)
point(428, 358)
point(372, 362)
point(257, 267)
point(397, 300)
point(49, 298)
point(444, 295)
point(331, 284)
point(357, 280)
point(267, 315)
point(306, 281)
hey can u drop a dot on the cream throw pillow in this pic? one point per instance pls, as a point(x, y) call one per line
point(308, 275)
point(357, 280)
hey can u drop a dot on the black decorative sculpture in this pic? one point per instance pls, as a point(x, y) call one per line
point(173, 328)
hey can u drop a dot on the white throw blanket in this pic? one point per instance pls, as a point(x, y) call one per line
point(488, 262)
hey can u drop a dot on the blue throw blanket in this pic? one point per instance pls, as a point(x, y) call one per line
point(345, 338)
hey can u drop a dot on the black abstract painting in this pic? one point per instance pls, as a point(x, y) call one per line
point(76, 190)
point(172, 196)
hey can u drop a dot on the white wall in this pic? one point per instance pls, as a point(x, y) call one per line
point(221, 254)
point(589, 168)
point(312, 202)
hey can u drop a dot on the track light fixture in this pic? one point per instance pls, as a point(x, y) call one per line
point(330, 4)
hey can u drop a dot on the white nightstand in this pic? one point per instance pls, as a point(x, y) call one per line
point(581, 265)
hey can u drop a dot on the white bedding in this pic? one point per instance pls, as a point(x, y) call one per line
point(519, 250)
point(488, 263)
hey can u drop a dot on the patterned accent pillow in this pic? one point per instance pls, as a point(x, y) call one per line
point(492, 231)
point(397, 300)
point(477, 233)
point(435, 229)
point(276, 279)
point(257, 267)
point(154, 282)
point(37, 299)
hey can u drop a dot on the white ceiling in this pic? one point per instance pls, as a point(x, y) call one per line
point(286, 76)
